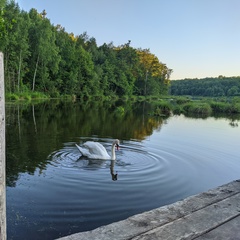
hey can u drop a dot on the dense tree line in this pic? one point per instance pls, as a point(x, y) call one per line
point(42, 57)
point(211, 87)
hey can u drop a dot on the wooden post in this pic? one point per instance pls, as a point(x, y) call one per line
point(2, 155)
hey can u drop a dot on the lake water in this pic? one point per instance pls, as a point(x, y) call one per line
point(52, 192)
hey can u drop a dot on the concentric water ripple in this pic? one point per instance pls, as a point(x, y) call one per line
point(141, 173)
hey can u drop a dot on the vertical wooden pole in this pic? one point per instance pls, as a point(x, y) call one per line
point(2, 155)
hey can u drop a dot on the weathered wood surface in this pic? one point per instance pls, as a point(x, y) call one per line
point(2, 154)
point(210, 215)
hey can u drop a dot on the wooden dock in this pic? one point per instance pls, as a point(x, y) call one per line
point(214, 214)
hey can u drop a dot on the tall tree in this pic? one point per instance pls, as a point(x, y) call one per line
point(44, 52)
point(128, 65)
point(86, 84)
point(66, 77)
point(15, 45)
point(156, 75)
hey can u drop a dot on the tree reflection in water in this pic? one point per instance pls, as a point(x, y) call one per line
point(33, 132)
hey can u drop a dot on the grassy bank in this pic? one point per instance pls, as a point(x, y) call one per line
point(28, 96)
point(200, 106)
point(206, 105)
point(162, 105)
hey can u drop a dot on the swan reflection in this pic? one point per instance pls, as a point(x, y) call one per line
point(94, 165)
point(114, 176)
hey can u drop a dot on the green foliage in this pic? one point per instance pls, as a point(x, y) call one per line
point(25, 96)
point(2, 23)
point(177, 109)
point(45, 58)
point(235, 108)
point(212, 87)
point(155, 74)
point(11, 96)
point(225, 107)
point(182, 100)
point(197, 108)
point(141, 98)
point(38, 95)
point(219, 106)
point(162, 108)
point(120, 111)
point(236, 99)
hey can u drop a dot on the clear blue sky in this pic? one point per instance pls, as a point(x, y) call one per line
point(195, 38)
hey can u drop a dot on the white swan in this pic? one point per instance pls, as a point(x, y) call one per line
point(95, 150)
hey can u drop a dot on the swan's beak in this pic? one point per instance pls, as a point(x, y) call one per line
point(117, 146)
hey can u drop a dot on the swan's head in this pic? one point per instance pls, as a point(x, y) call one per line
point(116, 143)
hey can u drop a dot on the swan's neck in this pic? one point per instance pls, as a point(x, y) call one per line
point(113, 152)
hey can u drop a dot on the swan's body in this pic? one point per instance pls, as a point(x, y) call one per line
point(95, 150)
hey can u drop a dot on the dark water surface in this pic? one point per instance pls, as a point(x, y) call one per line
point(52, 192)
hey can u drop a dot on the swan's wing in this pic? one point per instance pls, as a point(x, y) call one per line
point(84, 151)
point(97, 150)
point(95, 147)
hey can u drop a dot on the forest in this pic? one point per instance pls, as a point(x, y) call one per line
point(41, 57)
point(209, 87)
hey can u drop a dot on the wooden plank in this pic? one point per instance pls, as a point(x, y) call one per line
point(197, 223)
point(229, 230)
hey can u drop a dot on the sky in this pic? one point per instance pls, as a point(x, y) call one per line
point(195, 38)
